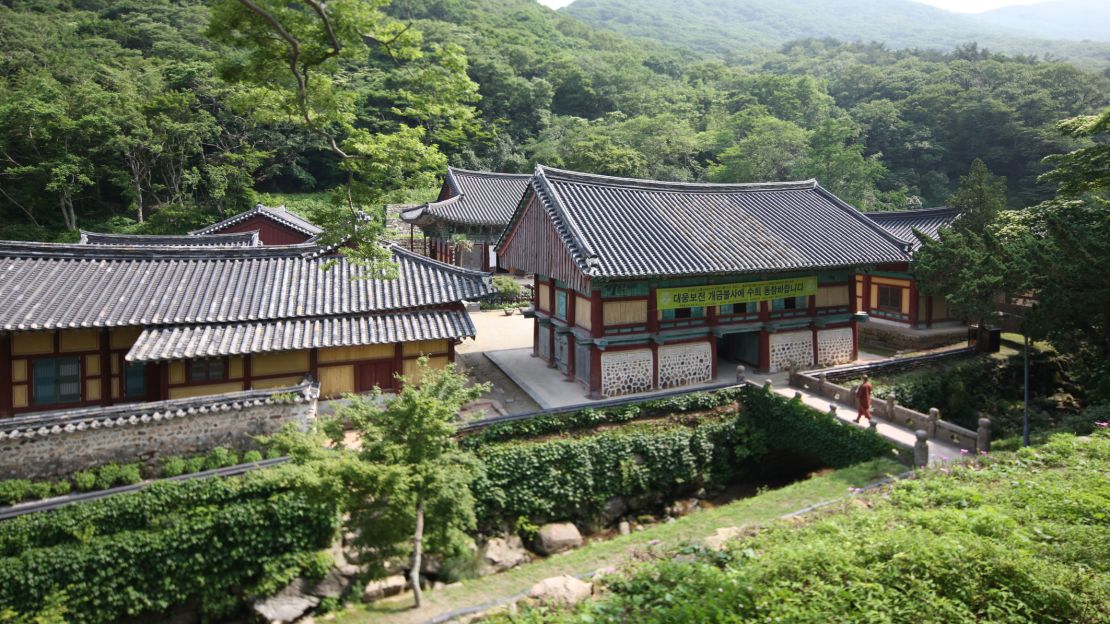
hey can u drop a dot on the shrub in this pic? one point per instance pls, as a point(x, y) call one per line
point(220, 457)
point(85, 481)
point(40, 490)
point(194, 464)
point(63, 487)
point(107, 476)
point(507, 288)
point(129, 474)
point(13, 491)
point(252, 456)
point(173, 467)
point(171, 543)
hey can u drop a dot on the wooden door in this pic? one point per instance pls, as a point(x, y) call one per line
point(370, 374)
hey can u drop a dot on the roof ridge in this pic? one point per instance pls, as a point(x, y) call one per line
point(913, 211)
point(169, 252)
point(664, 184)
point(487, 173)
point(396, 248)
point(285, 216)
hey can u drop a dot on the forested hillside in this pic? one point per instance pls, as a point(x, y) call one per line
point(735, 26)
point(131, 116)
point(1058, 19)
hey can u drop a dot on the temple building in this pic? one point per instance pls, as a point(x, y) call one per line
point(122, 319)
point(274, 226)
point(889, 291)
point(644, 285)
point(472, 210)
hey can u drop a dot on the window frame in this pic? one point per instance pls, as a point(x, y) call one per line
point(35, 400)
point(885, 305)
point(191, 378)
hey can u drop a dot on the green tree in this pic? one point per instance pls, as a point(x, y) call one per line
point(774, 150)
point(412, 478)
point(967, 264)
point(836, 160)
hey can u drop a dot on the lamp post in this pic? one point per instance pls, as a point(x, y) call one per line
point(1025, 357)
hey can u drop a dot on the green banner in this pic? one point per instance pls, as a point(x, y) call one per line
point(725, 294)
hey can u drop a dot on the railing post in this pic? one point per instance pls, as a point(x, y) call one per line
point(891, 403)
point(921, 449)
point(983, 436)
point(768, 386)
point(740, 375)
point(873, 424)
point(934, 416)
point(821, 384)
point(832, 410)
point(797, 395)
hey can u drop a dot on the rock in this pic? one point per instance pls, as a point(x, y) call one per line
point(288, 604)
point(429, 564)
point(684, 558)
point(557, 537)
point(646, 519)
point(340, 561)
point(643, 501)
point(680, 508)
point(718, 539)
point(500, 554)
point(333, 585)
point(561, 590)
point(382, 588)
point(613, 509)
point(624, 527)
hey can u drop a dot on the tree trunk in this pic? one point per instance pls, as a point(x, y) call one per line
point(417, 552)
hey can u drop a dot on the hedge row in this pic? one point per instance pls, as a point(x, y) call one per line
point(572, 478)
point(202, 542)
point(567, 422)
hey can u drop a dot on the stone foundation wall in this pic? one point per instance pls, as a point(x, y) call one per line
point(626, 372)
point(791, 348)
point(60, 445)
point(906, 339)
point(834, 346)
point(685, 364)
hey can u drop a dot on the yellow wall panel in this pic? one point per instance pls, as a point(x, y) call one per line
point(336, 380)
point(277, 382)
point(891, 281)
point(115, 387)
point(177, 374)
point(123, 337)
point(80, 340)
point(115, 364)
point(625, 312)
point(545, 297)
point(33, 342)
point(411, 370)
point(92, 389)
point(418, 347)
point(274, 363)
point(235, 367)
point(92, 365)
point(905, 293)
point(582, 309)
point(830, 296)
point(192, 391)
point(348, 354)
point(874, 296)
point(19, 396)
point(19, 370)
point(940, 308)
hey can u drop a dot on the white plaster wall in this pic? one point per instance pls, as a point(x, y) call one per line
point(834, 346)
point(626, 372)
point(685, 364)
point(791, 348)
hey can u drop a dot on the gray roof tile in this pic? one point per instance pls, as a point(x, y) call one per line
point(479, 198)
point(48, 286)
point(171, 343)
point(231, 239)
point(280, 215)
point(624, 228)
point(903, 223)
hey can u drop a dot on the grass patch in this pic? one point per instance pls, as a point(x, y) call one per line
point(759, 509)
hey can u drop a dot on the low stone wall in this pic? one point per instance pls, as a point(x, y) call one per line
point(40, 446)
point(906, 339)
point(890, 411)
point(893, 365)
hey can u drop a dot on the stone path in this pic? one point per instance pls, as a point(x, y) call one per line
point(939, 450)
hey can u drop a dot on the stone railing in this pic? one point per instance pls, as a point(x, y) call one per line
point(889, 410)
point(61, 443)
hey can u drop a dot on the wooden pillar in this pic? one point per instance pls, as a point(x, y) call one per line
point(398, 363)
point(247, 381)
point(929, 311)
point(451, 351)
point(765, 311)
point(811, 305)
point(913, 303)
point(852, 307)
point(314, 364)
point(764, 350)
point(5, 375)
point(571, 320)
point(654, 364)
point(816, 351)
point(597, 314)
point(711, 315)
point(551, 343)
point(106, 370)
point(163, 380)
point(652, 311)
point(570, 357)
point(713, 357)
point(595, 372)
point(866, 293)
point(855, 340)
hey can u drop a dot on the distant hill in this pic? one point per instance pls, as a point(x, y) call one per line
point(1062, 19)
point(727, 26)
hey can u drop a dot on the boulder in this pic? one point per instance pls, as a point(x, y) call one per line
point(682, 507)
point(557, 537)
point(613, 509)
point(718, 539)
point(501, 553)
point(385, 587)
point(561, 590)
point(624, 527)
point(333, 585)
point(288, 604)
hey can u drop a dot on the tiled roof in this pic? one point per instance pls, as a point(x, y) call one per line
point(903, 223)
point(171, 343)
point(479, 198)
point(625, 228)
point(48, 286)
point(70, 421)
point(230, 239)
point(280, 215)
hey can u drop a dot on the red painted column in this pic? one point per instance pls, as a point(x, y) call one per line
point(713, 357)
point(5, 375)
point(247, 372)
point(654, 365)
point(852, 307)
point(314, 364)
point(163, 380)
point(929, 311)
point(451, 351)
point(105, 370)
point(866, 293)
point(913, 303)
point(855, 340)
point(572, 296)
point(595, 372)
point(398, 361)
point(815, 350)
point(597, 314)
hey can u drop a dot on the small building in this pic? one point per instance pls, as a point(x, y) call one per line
point(890, 290)
point(275, 226)
point(464, 223)
point(644, 285)
point(85, 325)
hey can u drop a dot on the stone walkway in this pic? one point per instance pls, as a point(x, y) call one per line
point(939, 450)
